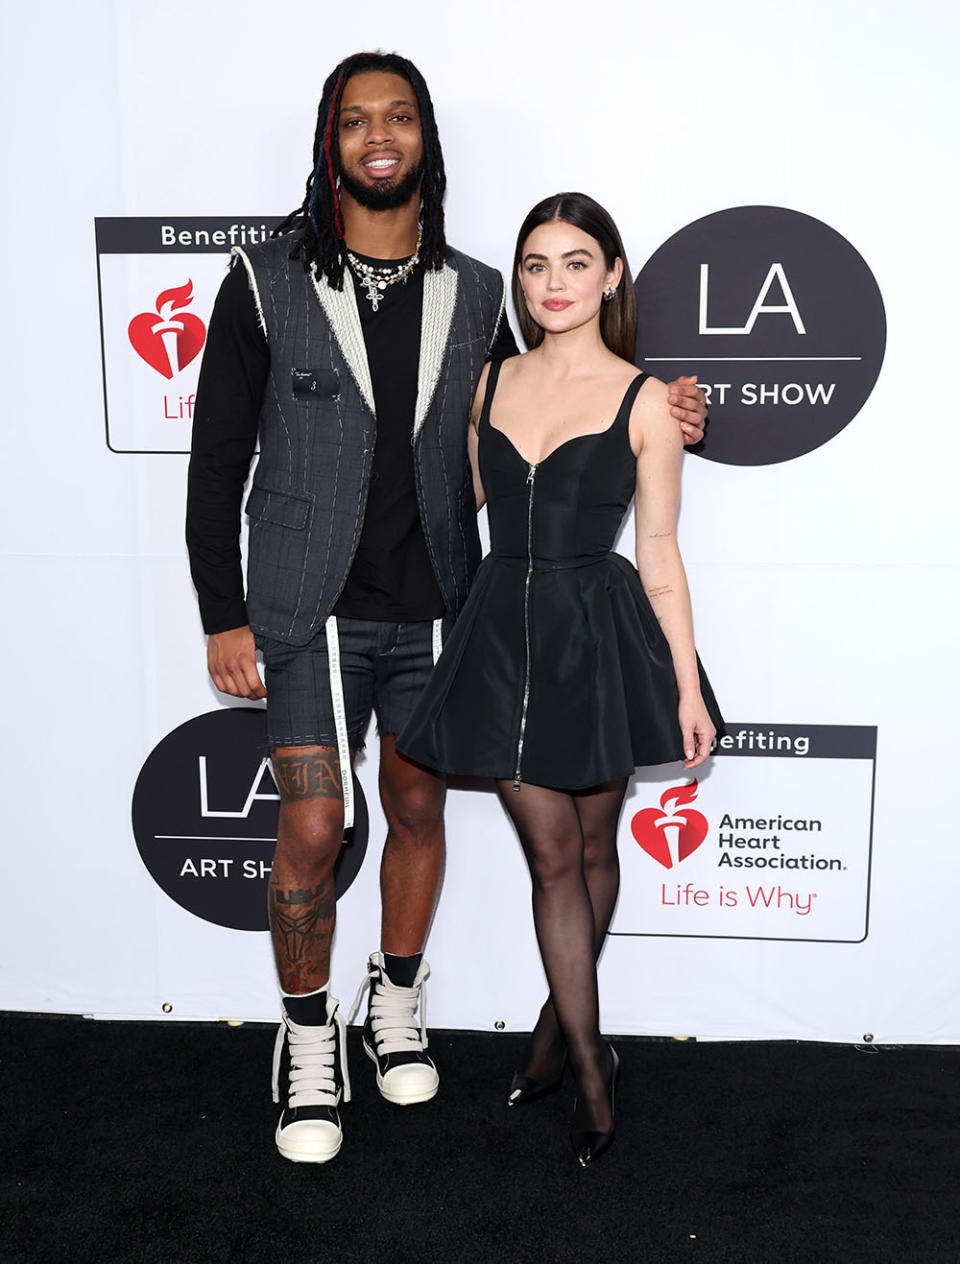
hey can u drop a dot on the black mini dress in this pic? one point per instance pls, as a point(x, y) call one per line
point(557, 671)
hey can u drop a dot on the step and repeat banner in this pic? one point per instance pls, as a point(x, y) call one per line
point(790, 225)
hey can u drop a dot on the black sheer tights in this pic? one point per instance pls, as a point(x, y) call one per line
point(570, 842)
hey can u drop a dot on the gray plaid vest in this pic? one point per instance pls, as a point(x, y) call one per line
point(317, 432)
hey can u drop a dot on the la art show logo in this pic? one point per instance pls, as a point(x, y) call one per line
point(778, 315)
point(205, 813)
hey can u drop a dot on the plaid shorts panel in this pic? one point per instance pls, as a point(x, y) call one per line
point(383, 666)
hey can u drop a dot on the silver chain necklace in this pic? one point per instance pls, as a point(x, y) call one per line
point(374, 278)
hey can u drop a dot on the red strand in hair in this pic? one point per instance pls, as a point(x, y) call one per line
point(328, 153)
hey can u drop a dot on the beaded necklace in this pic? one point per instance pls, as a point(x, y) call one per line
point(375, 278)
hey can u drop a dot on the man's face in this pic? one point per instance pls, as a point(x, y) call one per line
point(381, 147)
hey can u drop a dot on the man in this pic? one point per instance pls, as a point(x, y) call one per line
point(351, 345)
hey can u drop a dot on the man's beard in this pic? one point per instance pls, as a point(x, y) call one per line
point(384, 195)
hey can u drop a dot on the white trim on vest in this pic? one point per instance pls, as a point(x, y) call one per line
point(439, 301)
point(437, 639)
point(242, 256)
point(343, 318)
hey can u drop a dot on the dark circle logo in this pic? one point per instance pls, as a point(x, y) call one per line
point(205, 813)
point(780, 318)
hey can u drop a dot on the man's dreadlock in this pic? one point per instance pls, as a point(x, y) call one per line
point(318, 219)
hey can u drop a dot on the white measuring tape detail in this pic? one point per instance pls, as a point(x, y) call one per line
point(340, 719)
point(437, 639)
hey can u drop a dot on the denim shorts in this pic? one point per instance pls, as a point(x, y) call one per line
point(383, 667)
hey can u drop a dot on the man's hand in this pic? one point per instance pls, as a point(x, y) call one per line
point(689, 405)
point(232, 662)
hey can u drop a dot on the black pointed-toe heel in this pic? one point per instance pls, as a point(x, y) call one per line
point(523, 1089)
point(588, 1146)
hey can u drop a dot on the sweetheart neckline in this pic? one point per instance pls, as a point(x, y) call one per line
point(590, 434)
point(641, 377)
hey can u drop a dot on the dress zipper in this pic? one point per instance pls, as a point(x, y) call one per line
point(531, 475)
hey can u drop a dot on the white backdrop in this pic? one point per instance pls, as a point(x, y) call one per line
point(824, 588)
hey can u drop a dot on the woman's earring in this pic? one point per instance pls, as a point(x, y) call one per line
point(608, 293)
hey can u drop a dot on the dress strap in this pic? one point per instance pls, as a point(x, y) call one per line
point(621, 423)
point(630, 395)
point(492, 378)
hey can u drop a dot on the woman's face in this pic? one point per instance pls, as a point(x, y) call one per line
point(564, 275)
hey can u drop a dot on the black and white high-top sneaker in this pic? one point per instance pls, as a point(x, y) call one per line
point(392, 1037)
point(311, 1053)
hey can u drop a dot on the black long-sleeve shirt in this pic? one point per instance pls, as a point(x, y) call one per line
point(391, 577)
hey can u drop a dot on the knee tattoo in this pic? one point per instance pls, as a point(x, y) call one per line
point(308, 775)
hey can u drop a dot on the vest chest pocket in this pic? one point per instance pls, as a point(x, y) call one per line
point(284, 509)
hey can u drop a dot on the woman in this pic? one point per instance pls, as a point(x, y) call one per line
point(563, 672)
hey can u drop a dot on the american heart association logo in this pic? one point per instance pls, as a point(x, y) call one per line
point(168, 338)
point(669, 836)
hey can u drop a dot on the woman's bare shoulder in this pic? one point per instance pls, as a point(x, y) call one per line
point(651, 421)
point(620, 373)
point(517, 365)
point(653, 391)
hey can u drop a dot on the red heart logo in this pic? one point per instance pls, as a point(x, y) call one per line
point(653, 837)
point(150, 337)
point(169, 338)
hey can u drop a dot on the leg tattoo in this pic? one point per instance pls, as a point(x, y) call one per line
point(302, 921)
point(313, 776)
point(303, 902)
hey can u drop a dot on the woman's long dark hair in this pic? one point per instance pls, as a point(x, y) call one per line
point(318, 219)
point(618, 317)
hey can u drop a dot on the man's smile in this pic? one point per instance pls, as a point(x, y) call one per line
point(381, 164)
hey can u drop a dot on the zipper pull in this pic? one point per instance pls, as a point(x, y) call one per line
point(530, 473)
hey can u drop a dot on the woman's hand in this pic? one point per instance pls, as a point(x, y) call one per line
point(698, 730)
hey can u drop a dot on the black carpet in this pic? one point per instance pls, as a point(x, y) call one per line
point(154, 1142)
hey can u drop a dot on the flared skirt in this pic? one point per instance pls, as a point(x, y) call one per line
point(574, 661)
